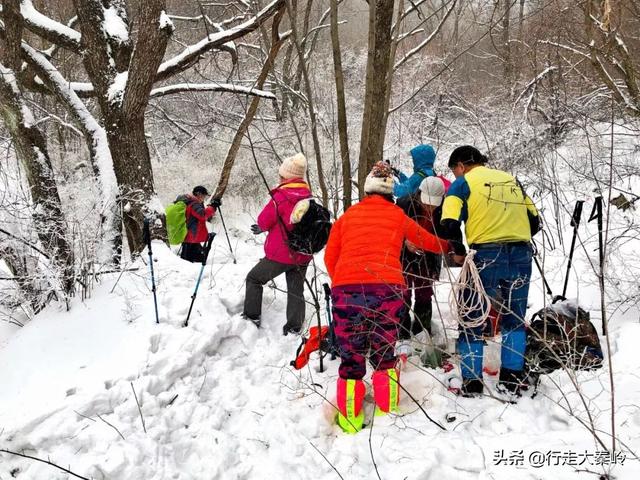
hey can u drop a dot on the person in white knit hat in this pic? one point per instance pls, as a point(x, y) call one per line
point(293, 167)
point(275, 220)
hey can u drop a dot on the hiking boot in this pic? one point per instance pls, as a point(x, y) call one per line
point(287, 329)
point(254, 320)
point(471, 387)
point(512, 382)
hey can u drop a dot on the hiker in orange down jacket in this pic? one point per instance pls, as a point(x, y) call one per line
point(362, 258)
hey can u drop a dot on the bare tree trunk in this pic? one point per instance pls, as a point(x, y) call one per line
point(310, 105)
point(506, 45)
point(378, 69)
point(276, 43)
point(123, 106)
point(26, 280)
point(31, 150)
point(392, 55)
point(519, 48)
point(342, 109)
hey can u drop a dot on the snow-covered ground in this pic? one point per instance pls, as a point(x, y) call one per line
point(219, 399)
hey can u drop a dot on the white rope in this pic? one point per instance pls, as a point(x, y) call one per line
point(476, 303)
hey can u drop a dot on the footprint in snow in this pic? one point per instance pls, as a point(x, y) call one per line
point(154, 341)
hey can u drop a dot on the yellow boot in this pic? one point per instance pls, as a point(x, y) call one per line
point(350, 397)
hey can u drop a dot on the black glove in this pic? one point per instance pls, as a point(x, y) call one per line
point(255, 229)
point(395, 171)
point(216, 202)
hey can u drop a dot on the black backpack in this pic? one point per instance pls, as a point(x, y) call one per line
point(570, 340)
point(311, 233)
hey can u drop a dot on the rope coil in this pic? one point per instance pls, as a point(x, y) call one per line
point(468, 296)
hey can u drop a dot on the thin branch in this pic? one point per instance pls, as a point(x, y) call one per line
point(25, 243)
point(112, 426)
point(326, 459)
point(192, 53)
point(139, 409)
point(210, 87)
point(24, 455)
point(427, 40)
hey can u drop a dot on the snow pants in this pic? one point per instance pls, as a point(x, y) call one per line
point(192, 252)
point(422, 288)
point(505, 272)
point(266, 270)
point(366, 321)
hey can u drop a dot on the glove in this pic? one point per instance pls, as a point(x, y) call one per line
point(216, 202)
point(255, 229)
point(395, 171)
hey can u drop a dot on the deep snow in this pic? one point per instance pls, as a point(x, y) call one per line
point(220, 401)
point(242, 412)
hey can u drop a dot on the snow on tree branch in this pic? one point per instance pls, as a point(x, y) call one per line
point(115, 25)
point(427, 40)
point(63, 90)
point(192, 53)
point(49, 29)
point(535, 81)
point(210, 87)
point(91, 129)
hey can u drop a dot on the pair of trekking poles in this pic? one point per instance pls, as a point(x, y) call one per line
point(596, 214)
point(146, 235)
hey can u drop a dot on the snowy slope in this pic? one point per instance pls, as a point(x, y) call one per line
point(219, 400)
point(240, 411)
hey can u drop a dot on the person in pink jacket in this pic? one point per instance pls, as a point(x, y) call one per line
point(275, 220)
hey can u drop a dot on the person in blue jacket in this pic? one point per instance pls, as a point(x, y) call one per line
point(423, 157)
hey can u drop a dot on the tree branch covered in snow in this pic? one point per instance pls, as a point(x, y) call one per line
point(213, 41)
point(47, 28)
point(210, 87)
point(429, 39)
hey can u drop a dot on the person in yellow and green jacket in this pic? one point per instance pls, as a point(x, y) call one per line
point(500, 220)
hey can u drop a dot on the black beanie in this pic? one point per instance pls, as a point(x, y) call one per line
point(468, 155)
point(200, 190)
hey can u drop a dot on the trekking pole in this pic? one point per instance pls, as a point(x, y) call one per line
point(575, 223)
point(227, 234)
point(332, 332)
point(596, 213)
point(207, 247)
point(146, 238)
point(544, 279)
point(317, 305)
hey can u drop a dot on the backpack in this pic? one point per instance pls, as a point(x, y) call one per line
point(571, 340)
point(311, 227)
point(176, 214)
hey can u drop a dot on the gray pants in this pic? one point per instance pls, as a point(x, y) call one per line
point(267, 270)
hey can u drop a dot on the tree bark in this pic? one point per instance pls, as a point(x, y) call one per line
point(379, 67)
point(310, 106)
point(26, 280)
point(31, 150)
point(506, 45)
point(341, 106)
point(108, 64)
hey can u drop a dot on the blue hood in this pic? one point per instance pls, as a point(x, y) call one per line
point(424, 157)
